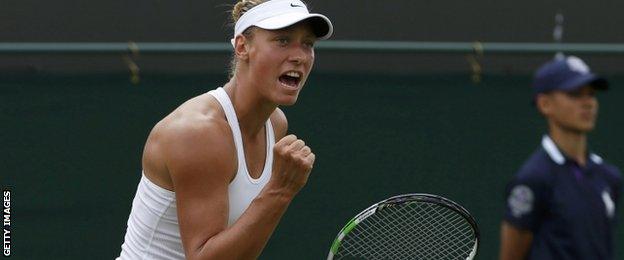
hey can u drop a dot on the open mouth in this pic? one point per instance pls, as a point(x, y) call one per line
point(291, 79)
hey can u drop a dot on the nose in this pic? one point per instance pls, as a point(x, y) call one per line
point(299, 54)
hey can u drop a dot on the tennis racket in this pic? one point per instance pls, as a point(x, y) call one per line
point(410, 226)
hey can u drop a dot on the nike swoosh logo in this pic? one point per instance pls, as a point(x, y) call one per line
point(294, 5)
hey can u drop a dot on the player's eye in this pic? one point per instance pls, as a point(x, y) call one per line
point(282, 40)
point(309, 43)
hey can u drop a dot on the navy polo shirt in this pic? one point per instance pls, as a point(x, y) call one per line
point(571, 210)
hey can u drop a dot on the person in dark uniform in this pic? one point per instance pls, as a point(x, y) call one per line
point(562, 202)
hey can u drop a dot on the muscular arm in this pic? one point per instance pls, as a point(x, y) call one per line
point(202, 162)
point(515, 242)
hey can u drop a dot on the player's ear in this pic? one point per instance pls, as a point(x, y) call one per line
point(543, 103)
point(241, 47)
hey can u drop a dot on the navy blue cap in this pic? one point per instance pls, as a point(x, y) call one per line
point(566, 74)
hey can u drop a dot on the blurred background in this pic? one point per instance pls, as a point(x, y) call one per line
point(456, 123)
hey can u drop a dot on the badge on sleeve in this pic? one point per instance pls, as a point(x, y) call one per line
point(520, 200)
point(609, 205)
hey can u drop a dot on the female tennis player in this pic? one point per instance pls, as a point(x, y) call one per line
point(215, 183)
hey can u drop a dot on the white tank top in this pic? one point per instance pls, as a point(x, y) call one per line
point(153, 231)
point(243, 189)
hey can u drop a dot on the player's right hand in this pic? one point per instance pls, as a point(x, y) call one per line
point(292, 163)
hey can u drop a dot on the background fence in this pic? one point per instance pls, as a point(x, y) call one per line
point(72, 146)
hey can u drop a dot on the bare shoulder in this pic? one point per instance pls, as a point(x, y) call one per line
point(198, 133)
point(193, 137)
point(280, 123)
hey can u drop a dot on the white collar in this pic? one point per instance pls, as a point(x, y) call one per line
point(553, 151)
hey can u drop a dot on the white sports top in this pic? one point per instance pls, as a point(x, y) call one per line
point(153, 231)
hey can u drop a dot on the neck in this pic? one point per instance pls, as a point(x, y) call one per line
point(251, 109)
point(572, 143)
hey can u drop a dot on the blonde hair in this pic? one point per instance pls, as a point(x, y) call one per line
point(238, 10)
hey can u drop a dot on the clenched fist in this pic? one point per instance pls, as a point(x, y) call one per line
point(292, 164)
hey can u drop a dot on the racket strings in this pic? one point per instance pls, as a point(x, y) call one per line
point(410, 231)
point(452, 225)
point(447, 224)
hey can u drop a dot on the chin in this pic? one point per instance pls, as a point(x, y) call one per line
point(288, 102)
point(589, 125)
point(585, 128)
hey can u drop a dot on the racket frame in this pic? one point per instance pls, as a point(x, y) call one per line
point(406, 198)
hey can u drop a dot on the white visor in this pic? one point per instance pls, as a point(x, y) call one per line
point(278, 14)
